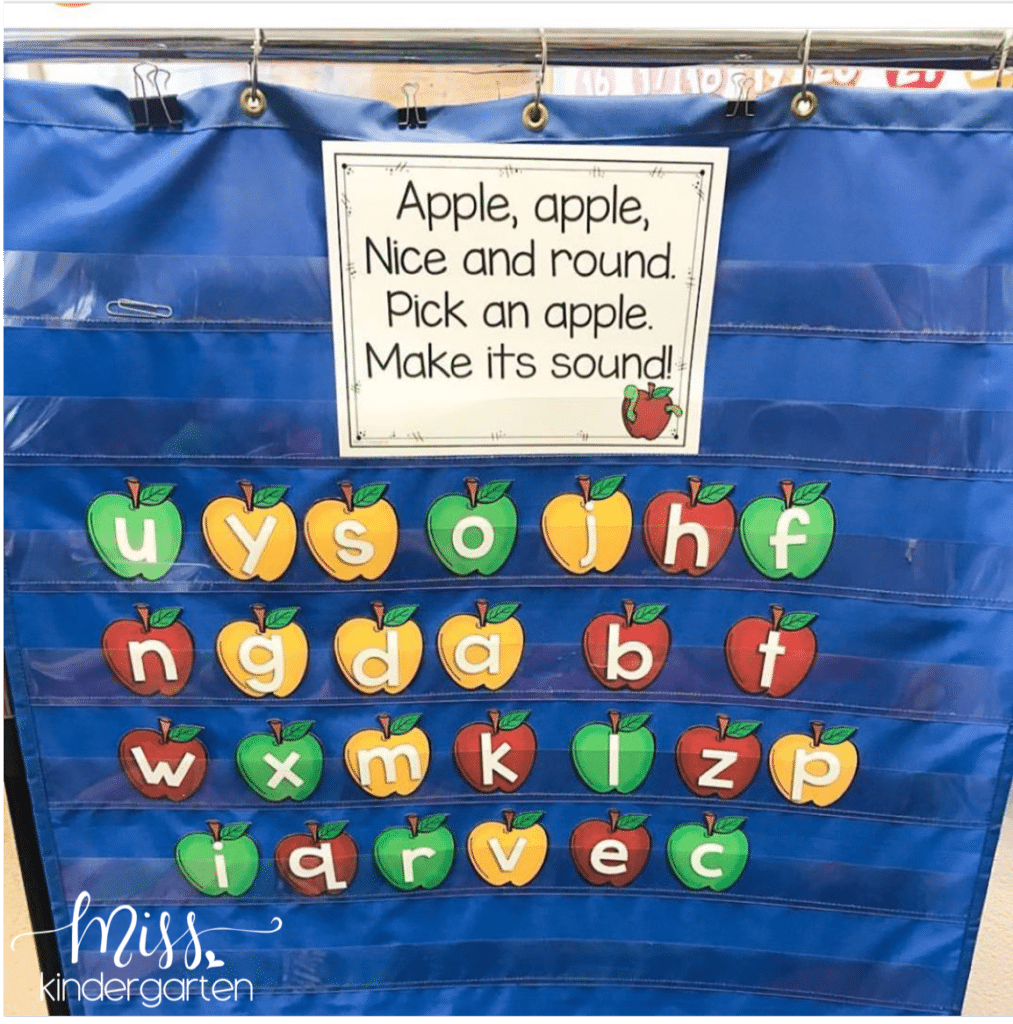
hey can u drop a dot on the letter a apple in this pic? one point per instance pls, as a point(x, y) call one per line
point(791, 535)
point(284, 764)
point(382, 654)
point(474, 533)
point(628, 650)
point(391, 759)
point(709, 856)
point(354, 537)
point(771, 656)
point(483, 650)
point(817, 769)
point(719, 762)
point(614, 758)
point(647, 413)
point(498, 756)
point(417, 857)
point(322, 862)
point(169, 764)
point(226, 861)
point(136, 535)
point(267, 655)
point(510, 852)
point(690, 531)
point(151, 654)
point(253, 537)
point(590, 530)
point(612, 852)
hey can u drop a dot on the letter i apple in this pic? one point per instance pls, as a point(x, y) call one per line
point(267, 655)
point(628, 650)
point(354, 537)
point(225, 861)
point(771, 656)
point(591, 530)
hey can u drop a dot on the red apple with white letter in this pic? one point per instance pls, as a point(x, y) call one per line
point(612, 852)
point(719, 762)
point(771, 656)
point(690, 531)
point(628, 650)
point(167, 764)
point(498, 755)
point(322, 860)
point(153, 653)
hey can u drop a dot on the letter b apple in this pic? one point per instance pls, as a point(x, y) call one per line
point(627, 650)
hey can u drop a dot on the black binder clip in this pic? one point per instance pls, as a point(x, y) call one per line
point(742, 105)
point(154, 112)
point(411, 115)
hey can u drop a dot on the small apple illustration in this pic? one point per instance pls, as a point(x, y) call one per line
point(225, 861)
point(419, 856)
point(390, 760)
point(482, 650)
point(510, 852)
point(497, 756)
point(266, 656)
point(590, 530)
point(382, 654)
point(719, 762)
point(612, 852)
point(321, 861)
point(690, 531)
point(817, 769)
point(771, 656)
point(474, 533)
point(253, 537)
point(168, 764)
point(139, 533)
point(627, 650)
point(709, 856)
point(354, 537)
point(791, 535)
point(614, 758)
point(283, 764)
point(646, 413)
point(152, 654)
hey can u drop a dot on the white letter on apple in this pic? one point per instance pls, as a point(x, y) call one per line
point(485, 545)
point(326, 866)
point(350, 550)
point(615, 650)
point(677, 529)
point(609, 857)
point(408, 858)
point(283, 770)
point(782, 539)
point(592, 538)
point(221, 875)
point(254, 545)
point(388, 757)
point(771, 651)
point(613, 759)
point(147, 552)
point(273, 665)
point(697, 856)
point(162, 772)
point(722, 759)
point(801, 776)
point(489, 664)
point(491, 760)
point(138, 648)
point(389, 657)
point(507, 863)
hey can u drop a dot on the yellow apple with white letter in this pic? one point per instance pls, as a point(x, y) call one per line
point(483, 649)
point(266, 656)
point(590, 530)
point(511, 851)
point(382, 654)
point(253, 536)
point(391, 759)
point(815, 769)
point(355, 536)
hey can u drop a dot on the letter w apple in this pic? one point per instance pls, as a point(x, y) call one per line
point(161, 771)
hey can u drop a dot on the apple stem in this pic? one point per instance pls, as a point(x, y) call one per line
point(614, 719)
point(650, 390)
point(346, 494)
point(723, 722)
point(710, 820)
point(694, 483)
point(508, 819)
point(216, 830)
point(378, 615)
point(776, 614)
point(164, 725)
point(471, 486)
point(413, 824)
point(384, 721)
point(482, 607)
point(614, 817)
point(144, 614)
point(275, 725)
point(260, 614)
point(314, 830)
point(134, 487)
point(247, 490)
point(817, 733)
point(629, 607)
point(787, 489)
point(584, 482)
point(494, 717)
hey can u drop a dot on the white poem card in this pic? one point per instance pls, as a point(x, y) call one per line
point(521, 299)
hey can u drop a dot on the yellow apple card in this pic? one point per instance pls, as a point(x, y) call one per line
point(521, 299)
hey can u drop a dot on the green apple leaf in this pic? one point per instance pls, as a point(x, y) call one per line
point(675, 410)
point(726, 825)
point(280, 617)
point(493, 491)
point(501, 612)
point(648, 613)
point(182, 733)
point(513, 720)
point(528, 818)
point(713, 493)
point(369, 494)
point(296, 730)
point(838, 734)
point(628, 822)
point(607, 486)
point(431, 822)
point(404, 723)
point(797, 620)
point(808, 493)
point(400, 615)
point(155, 494)
point(331, 830)
point(236, 830)
point(630, 723)
point(738, 730)
point(268, 497)
point(164, 617)
point(661, 392)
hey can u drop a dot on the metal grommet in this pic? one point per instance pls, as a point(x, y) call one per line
point(804, 104)
point(252, 101)
point(535, 116)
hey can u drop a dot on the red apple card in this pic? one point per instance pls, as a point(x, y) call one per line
point(501, 300)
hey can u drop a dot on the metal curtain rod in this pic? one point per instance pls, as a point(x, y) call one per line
point(971, 51)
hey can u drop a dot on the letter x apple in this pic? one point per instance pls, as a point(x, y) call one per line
point(628, 650)
point(497, 756)
point(771, 656)
point(719, 762)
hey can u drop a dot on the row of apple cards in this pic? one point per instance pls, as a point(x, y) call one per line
point(140, 533)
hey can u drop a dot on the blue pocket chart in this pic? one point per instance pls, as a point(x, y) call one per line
point(766, 777)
